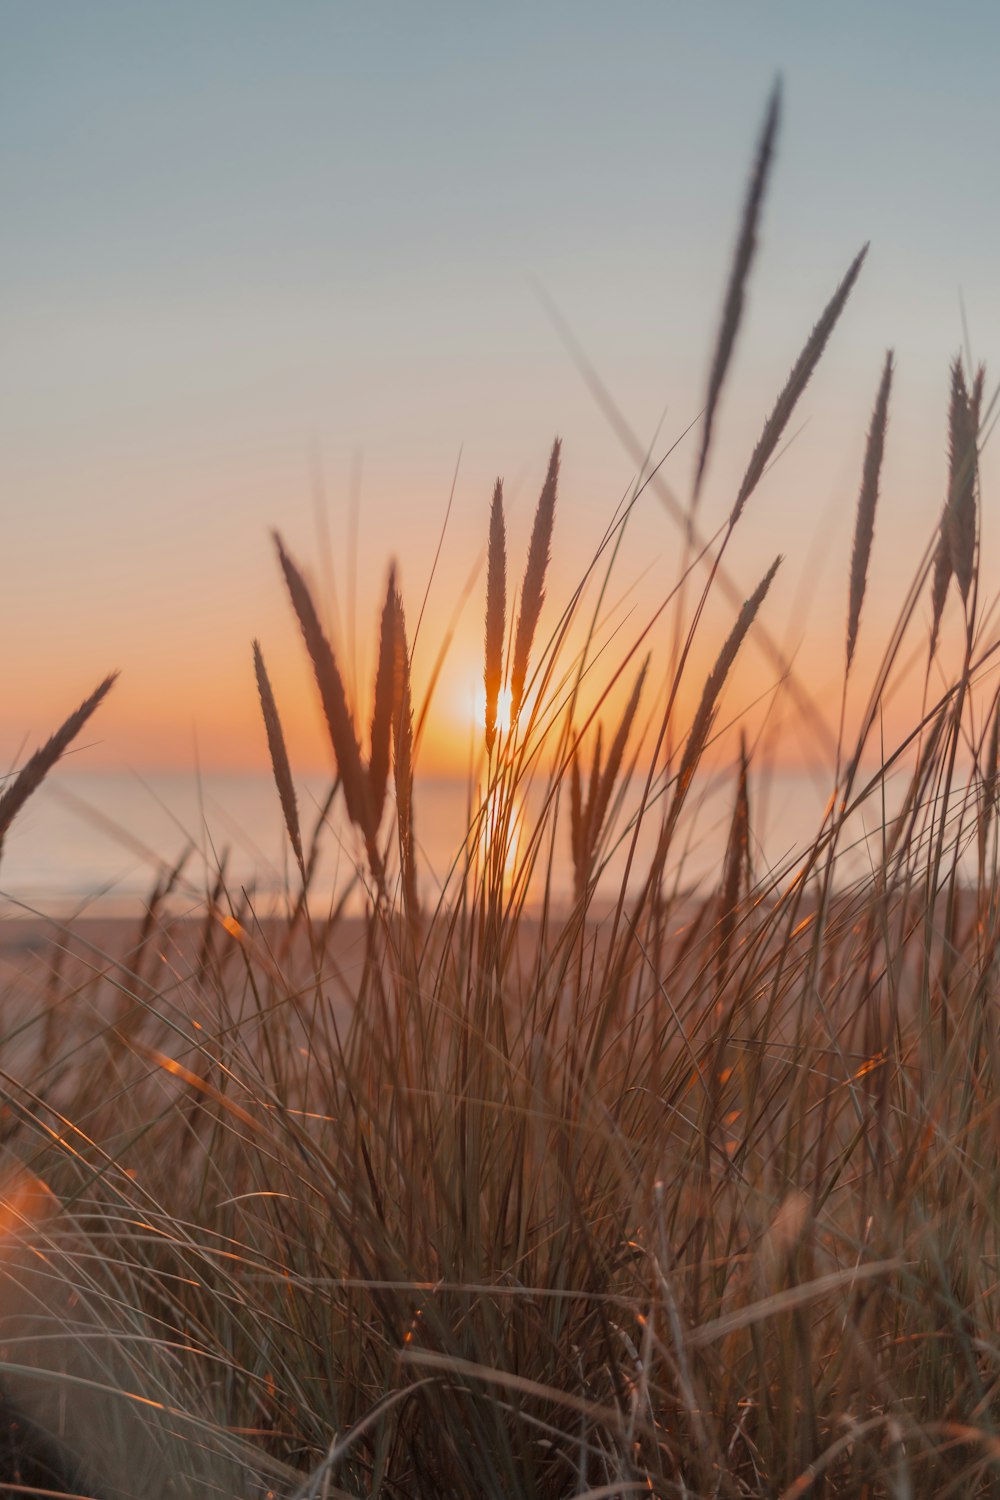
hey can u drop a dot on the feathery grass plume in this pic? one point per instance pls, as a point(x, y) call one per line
point(385, 687)
point(864, 525)
point(533, 588)
point(961, 504)
point(339, 723)
point(35, 770)
point(795, 385)
point(278, 752)
point(496, 612)
point(402, 736)
point(746, 246)
point(716, 678)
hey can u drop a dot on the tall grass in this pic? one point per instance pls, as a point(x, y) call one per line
point(488, 1195)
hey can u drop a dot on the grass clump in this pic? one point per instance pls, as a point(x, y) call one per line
point(489, 1194)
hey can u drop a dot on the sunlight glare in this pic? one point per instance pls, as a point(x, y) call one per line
point(503, 709)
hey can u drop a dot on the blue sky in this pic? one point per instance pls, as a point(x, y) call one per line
point(245, 243)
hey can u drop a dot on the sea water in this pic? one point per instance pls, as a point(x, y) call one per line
point(101, 840)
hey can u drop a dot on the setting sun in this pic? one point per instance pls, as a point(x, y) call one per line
point(503, 709)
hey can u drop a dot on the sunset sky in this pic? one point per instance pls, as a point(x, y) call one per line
point(253, 252)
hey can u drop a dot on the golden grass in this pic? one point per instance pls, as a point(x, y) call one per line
point(487, 1195)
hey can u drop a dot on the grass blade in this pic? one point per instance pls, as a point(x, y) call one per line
point(795, 385)
point(35, 770)
point(739, 273)
point(278, 752)
point(496, 612)
point(339, 723)
point(533, 590)
point(864, 525)
point(385, 687)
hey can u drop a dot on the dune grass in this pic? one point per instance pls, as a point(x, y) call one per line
point(679, 1195)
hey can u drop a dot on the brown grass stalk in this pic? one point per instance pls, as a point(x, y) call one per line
point(339, 723)
point(735, 866)
point(698, 736)
point(600, 798)
point(403, 763)
point(278, 752)
point(795, 385)
point(746, 246)
point(496, 612)
point(385, 687)
point(35, 770)
point(962, 470)
point(533, 588)
point(864, 525)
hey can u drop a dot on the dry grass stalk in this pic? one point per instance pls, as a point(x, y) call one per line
point(533, 588)
point(962, 472)
point(496, 612)
point(575, 813)
point(600, 797)
point(588, 817)
point(278, 752)
point(698, 736)
point(795, 385)
point(746, 246)
point(989, 787)
point(35, 770)
point(403, 762)
point(339, 723)
point(940, 581)
point(385, 687)
point(735, 866)
point(864, 525)
point(593, 786)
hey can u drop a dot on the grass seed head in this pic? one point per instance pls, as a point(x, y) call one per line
point(385, 687)
point(496, 612)
point(35, 770)
point(533, 589)
point(278, 752)
point(339, 723)
point(795, 385)
point(864, 525)
point(746, 246)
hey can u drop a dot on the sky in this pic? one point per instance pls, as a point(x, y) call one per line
point(290, 265)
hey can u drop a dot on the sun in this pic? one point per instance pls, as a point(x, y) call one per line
point(503, 709)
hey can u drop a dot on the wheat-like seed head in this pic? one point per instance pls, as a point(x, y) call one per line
point(339, 723)
point(746, 245)
point(385, 686)
point(533, 589)
point(794, 386)
point(278, 752)
point(403, 762)
point(35, 770)
point(961, 504)
point(496, 612)
point(864, 525)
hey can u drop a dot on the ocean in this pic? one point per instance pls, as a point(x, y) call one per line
point(100, 840)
